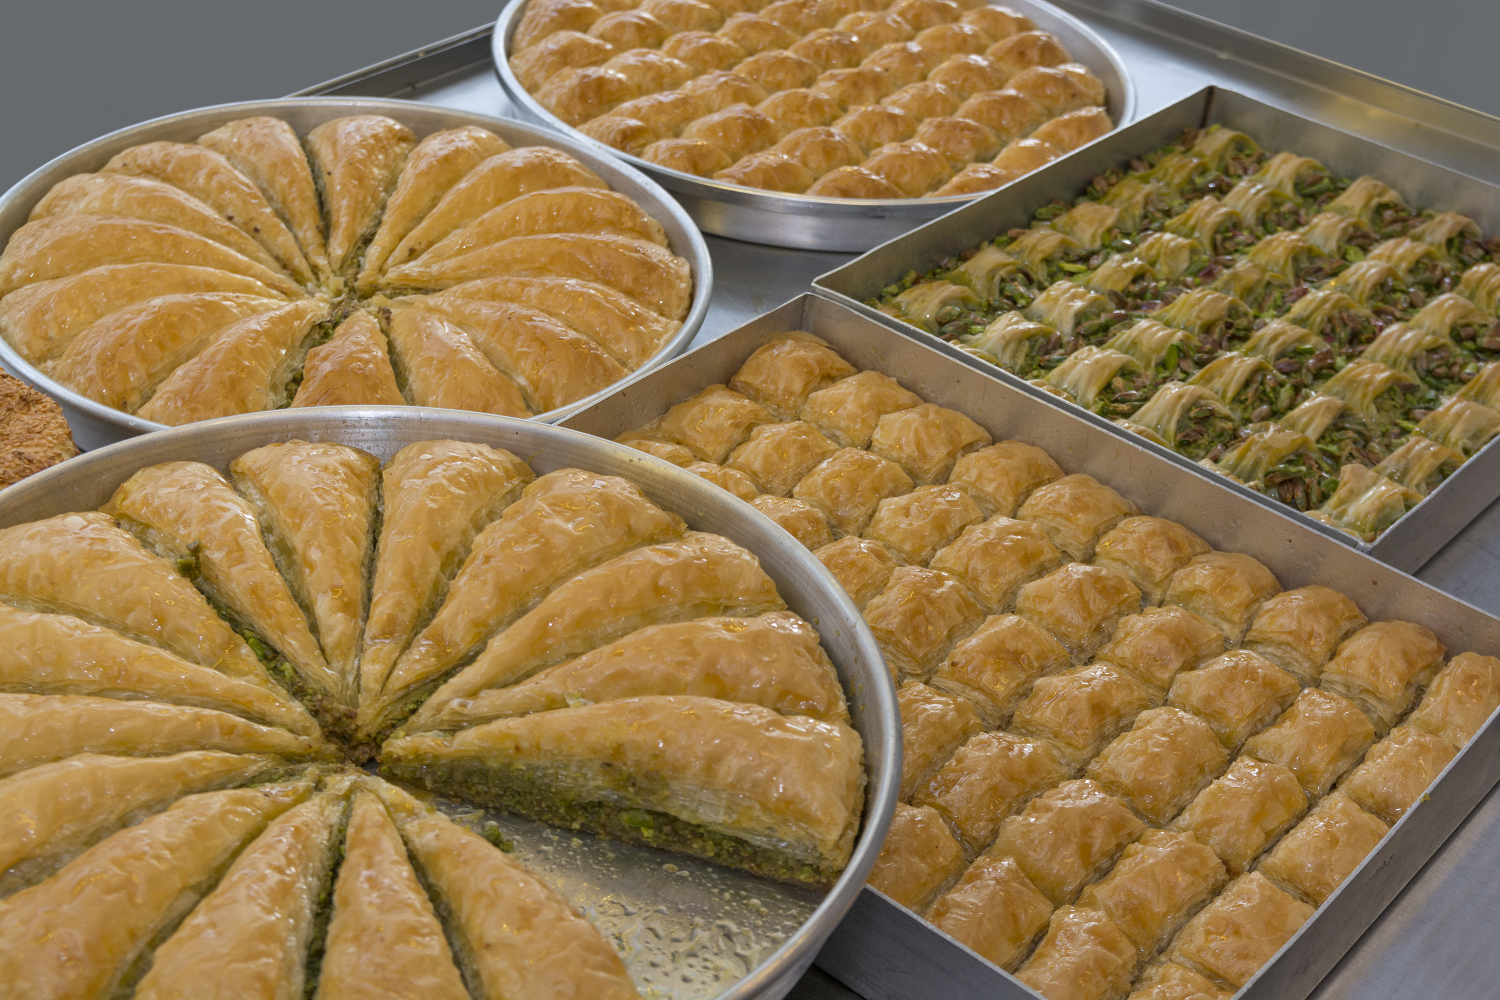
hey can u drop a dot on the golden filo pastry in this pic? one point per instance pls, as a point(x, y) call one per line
point(737, 130)
point(1226, 588)
point(959, 140)
point(1238, 932)
point(1080, 605)
point(770, 171)
point(778, 664)
point(872, 126)
point(441, 365)
point(912, 167)
point(996, 558)
point(690, 577)
point(1397, 771)
point(209, 177)
point(260, 918)
point(149, 199)
point(778, 69)
point(1170, 981)
point(494, 181)
point(862, 567)
point(436, 497)
point(964, 75)
point(1324, 849)
point(1069, 131)
point(627, 330)
point(1299, 630)
point(558, 51)
point(919, 858)
point(853, 182)
point(877, 27)
point(67, 245)
point(690, 156)
point(434, 165)
point(41, 320)
point(849, 486)
point(684, 15)
point(703, 51)
point(353, 368)
point(994, 910)
point(1009, 115)
point(596, 211)
point(1067, 837)
point(651, 275)
point(1159, 882)
point(933, 725)
point(1003, 475)
point(1242, 813)
point(1461, 698)
point(268, 152)
point(710, 424)
point(99, 914)
point(926, 440)
point(187, 510)
point(855, 87)
point(918, 617)
point(1084, 955)
point(782, 374)
point(40, 729)
point(848, 410)
point(537, 542)
point(1161, 763)
point(552, 364)
point(54, 812)
point(1158, 643)
point(777, 456)
point(991, 776)
point(512, 934)
point(832, 48)
point(718, 91)
point(554, 15)
point(248, 367)
point(1148, 550)
point(382, 928)
point(1082, 709)
point(665, 113)
point(919, 523)
point(790, 808)
point(820, 149)
point(1238, 693)
point(622, 31)
point(994, 668)
point(1381, 667)
point(805, 522)
point(1318, 738)
point(316, 503)
point(676, 454)
point(122, 359)
point(84, 565)
point(648, 70)
point(797, 109)
point(60, 654)
point(577, 95)
point(1075, 511)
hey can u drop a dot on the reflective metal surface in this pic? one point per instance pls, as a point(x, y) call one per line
point(1413, 539)
point(882, 949)
point(805, 221)
point(95, 424)
point(691, 928)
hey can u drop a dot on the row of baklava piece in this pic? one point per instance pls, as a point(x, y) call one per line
point(680, 106)
point(1429, 349)
point(214, 874)
point(988, 612)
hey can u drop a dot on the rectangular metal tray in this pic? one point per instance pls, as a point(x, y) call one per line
point(1425, 529)
point(883, 950)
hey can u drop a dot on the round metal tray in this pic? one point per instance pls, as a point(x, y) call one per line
point(95, 424)
point(805, 221)
point(687, 928)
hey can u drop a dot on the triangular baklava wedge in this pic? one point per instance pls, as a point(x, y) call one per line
point(384, 939)
point(695, 576)
point(355, 162)
point(83, 565)
point(260, 919)
point(515, 937)
point(188, 510)
point(87, 931)
point(436, 496)
point(50, 813)
point(565, 522)
point(59, 654)
point(773, 794)
point(37, 728)
point(316, 504)
point(268, 152)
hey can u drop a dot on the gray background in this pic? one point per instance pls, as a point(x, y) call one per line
point(71, 71)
